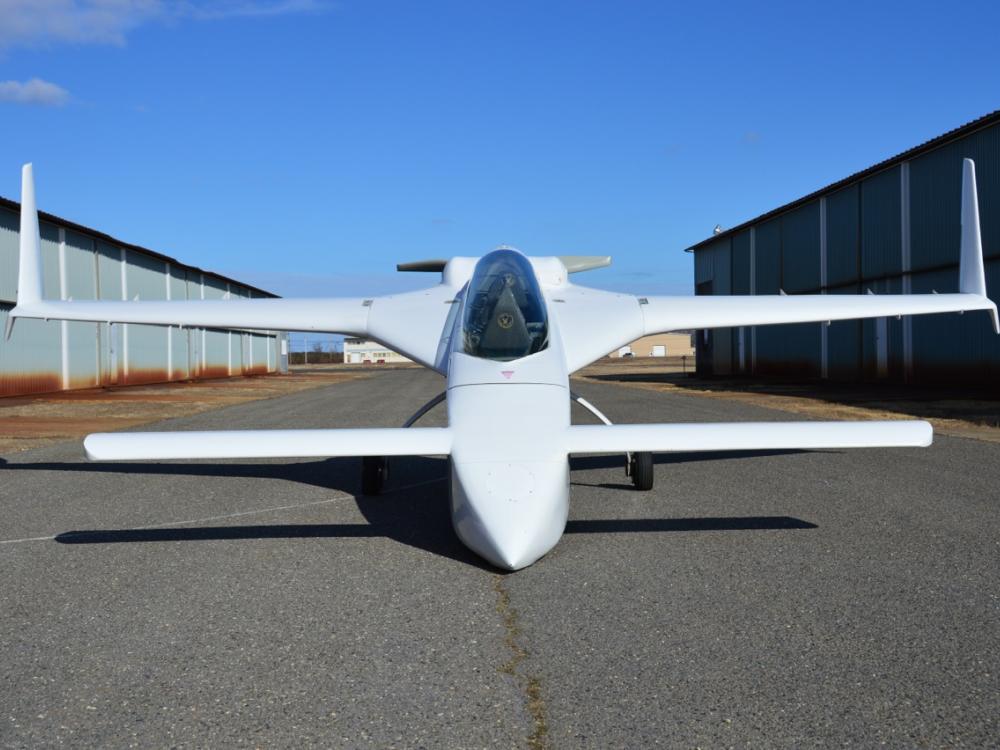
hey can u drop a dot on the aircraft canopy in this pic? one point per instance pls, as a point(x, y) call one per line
point(504, 316)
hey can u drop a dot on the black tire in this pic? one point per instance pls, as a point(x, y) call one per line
point(374, 472)
point(641, 470)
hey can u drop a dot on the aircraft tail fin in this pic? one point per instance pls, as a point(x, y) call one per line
point(220, 444)
point(972, 273)
point(29, 272)
point(747, 436)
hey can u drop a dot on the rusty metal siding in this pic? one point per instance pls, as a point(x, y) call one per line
point(180, 361)
point(217, 343)
point(147, 345)
point(109, 287)
point(261, 359)
point(881, 229)
point(800, 261)
point(237, 343)
point(46, 356)
point(843, 257)
point(82, 344)
point(30, 362)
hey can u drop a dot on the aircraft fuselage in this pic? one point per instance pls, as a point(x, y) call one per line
point(509, 466)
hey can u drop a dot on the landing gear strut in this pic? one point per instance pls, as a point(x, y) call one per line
point(638, 466)
point(375, 469)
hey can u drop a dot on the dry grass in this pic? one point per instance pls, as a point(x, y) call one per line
point(964, 413)
point(31, 421)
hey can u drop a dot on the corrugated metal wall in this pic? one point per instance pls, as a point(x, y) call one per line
point(713, 275)
point(48, 356)
point(894, 231)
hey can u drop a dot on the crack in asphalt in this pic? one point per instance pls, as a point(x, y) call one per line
point(530, 684)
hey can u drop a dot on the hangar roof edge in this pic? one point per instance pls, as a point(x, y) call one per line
point(53, 219)
point(969, 127)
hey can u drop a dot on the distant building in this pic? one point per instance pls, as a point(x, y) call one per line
point(892, 228)
point(659, 345)
point(362, 351)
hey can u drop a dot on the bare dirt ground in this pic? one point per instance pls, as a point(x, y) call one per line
point(31, 421)
point(963, 413)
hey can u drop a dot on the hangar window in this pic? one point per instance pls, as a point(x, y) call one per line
point(504, 315)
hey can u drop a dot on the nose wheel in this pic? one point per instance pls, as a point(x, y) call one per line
point(640, 469)
point(374, 472)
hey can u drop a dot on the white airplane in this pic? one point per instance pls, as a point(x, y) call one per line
point(506, 330)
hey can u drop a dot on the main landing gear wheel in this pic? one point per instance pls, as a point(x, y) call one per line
point(641, 470)
point(374, 472)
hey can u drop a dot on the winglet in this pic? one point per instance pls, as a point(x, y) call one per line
point(971, 274)
point(29, 272)
point(578, 263)
point(422, 266)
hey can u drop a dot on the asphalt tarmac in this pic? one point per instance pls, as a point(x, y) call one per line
point(792, 599)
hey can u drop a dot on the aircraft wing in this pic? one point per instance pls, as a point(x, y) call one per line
point(219, 444)
point(661, 314)
point(411, 323)
point(743, 436)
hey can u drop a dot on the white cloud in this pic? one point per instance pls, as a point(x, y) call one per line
point(35, 91)
point(248, 8)
point(30, 22)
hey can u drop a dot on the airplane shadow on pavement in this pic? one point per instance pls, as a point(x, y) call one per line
point(413, 510)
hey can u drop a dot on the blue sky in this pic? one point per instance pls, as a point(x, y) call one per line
point(307, 146)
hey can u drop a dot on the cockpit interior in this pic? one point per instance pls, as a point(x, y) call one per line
point(504, 317)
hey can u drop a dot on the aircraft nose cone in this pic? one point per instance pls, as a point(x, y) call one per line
point(513, 553)
point(510, 513)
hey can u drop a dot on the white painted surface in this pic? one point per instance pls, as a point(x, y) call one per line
point(64, 325)
point(737, 436)
point(150, 446)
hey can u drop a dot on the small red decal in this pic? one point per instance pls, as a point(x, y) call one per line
point(507, 373)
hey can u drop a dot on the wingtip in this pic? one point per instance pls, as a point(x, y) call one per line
point(29, 274)
point(971, 271)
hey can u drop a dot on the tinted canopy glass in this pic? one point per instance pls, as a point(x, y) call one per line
point(504, 315)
